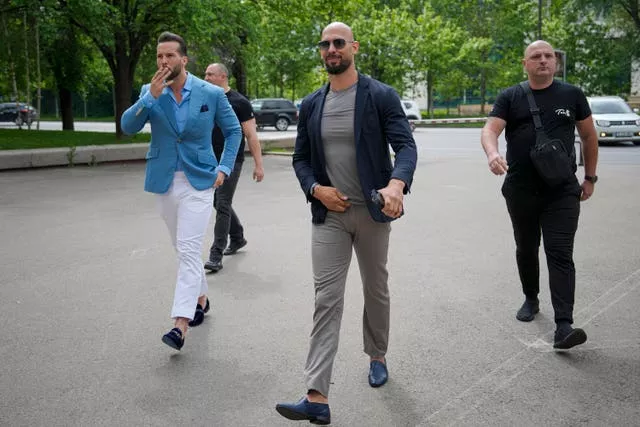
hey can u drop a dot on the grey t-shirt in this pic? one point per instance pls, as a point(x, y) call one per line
point(339, 143)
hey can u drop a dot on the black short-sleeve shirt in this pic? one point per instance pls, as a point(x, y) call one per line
point(561, 105)
point(242, 107)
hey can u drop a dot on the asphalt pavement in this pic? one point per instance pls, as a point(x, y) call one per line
point(87, 280)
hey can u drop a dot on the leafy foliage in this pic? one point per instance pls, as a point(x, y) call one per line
point(442, 46)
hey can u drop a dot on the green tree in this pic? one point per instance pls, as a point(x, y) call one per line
point(121, 30)
point(508, 24)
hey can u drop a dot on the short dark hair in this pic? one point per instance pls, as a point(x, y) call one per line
point(171, 37)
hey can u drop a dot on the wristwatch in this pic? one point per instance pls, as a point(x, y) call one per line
point(313, 187)
point(592, 179)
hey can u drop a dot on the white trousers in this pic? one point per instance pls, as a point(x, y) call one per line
point(187, 211)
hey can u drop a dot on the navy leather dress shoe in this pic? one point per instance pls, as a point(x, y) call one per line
point(316, 413)
point(198, 316)
point(378, 374)
point(174, 338)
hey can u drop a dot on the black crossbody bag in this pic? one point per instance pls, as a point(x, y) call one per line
point(549, 156)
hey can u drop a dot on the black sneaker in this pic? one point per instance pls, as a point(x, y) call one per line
point(213, 265)
point(235, 246)
point(528, 310)
point(567, 337)
point(215, 261)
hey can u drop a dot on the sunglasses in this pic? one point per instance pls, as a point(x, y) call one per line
point(337, 43)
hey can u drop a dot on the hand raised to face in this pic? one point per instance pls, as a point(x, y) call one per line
point(159, 81)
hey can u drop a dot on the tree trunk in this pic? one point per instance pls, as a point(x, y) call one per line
point(239, 72)
point(12, 66)
point(26, 64)
point(483, 91)
point(38, 73)
point(66, 107)
point(123, 79)
point(293, 89)
point(430, 92)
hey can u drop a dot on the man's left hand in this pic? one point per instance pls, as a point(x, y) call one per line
point(587, 190)
point(258, 173)
point(393, 198)
point(219, 179)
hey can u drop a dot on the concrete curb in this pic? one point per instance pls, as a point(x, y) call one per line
point(95, 154)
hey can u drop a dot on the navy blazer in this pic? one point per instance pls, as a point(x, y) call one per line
point(379, 122)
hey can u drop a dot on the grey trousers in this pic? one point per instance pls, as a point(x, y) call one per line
point(331, 248)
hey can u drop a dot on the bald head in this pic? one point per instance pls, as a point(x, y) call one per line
point(536, 45)
point(217, 74)
point(339, 27)
point(220, 68)
point(540, 64)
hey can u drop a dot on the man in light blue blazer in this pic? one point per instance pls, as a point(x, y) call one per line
point(181, 168)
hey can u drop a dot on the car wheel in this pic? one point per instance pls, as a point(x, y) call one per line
point(282, 124)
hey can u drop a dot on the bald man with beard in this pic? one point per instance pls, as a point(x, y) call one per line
point(537, 208)
point(342, 161)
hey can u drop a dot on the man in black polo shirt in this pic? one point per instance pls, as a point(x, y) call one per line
point(227, 222)
point(537, 209)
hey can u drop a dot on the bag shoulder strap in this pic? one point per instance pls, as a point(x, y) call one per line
point(535, 112)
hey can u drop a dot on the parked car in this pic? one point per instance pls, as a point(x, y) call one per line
point(411, 109)
point(17, 112)
point(614, 120)
point(278, 112)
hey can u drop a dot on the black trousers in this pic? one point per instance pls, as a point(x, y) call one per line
point(227, 222)
point(554, 216)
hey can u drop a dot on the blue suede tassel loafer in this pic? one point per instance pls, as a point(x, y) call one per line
point(378, 374)
point(316, 413)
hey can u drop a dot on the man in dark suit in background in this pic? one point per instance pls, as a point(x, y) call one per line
point(341, 156)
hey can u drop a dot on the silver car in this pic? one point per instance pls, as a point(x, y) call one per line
point(615, 121)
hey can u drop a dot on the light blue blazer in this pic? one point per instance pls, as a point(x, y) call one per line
point(208, 105)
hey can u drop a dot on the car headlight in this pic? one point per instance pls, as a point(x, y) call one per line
point(638, 122)
point(603, 123)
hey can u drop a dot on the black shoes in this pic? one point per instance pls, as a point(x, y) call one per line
point(235, 246)
point(198, 316)
point(214, 264)
point(174, 338)
point(215, 257)
point(528, 310)
point(567, 337)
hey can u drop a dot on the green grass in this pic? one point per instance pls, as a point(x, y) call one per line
point(13, 139)
point(279, 150)
point(53, 118)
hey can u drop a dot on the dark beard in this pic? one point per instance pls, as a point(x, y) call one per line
point(175, 72)
point(337, 69)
